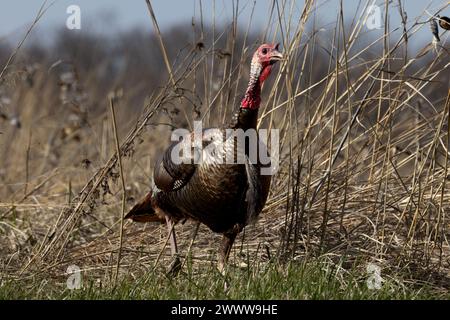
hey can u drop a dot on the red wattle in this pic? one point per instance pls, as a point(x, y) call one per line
point(252, 98)
point(265, 73)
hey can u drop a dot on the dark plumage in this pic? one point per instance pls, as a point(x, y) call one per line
point(224, 197)
point(434, 30)
point(444, 22)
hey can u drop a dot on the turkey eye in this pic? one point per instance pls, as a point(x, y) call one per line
point(264, 51)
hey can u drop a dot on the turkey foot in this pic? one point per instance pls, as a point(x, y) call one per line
point(174, 267)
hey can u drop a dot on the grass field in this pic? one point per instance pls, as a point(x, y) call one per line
point(364, 127)
point(313, 280)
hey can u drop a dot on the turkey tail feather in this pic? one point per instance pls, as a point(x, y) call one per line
point(143, 211)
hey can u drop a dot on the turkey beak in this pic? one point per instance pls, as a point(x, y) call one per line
point(275, 54)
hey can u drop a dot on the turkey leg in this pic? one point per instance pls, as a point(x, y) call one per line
point(225, 249)
point(175, 266)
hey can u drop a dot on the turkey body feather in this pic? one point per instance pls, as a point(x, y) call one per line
point(221, 195)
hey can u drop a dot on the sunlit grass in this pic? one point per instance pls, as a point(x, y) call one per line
point(313, 280)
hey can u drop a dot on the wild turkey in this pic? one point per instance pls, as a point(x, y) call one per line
point(224, 197)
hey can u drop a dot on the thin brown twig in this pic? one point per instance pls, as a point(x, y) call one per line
point(122, 180)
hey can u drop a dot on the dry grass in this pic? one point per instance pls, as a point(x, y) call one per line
point(364, 150)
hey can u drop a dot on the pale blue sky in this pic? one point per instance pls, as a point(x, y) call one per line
point(115, 15)
point(17, 14)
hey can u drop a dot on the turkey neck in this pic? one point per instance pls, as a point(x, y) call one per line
point(247, 115)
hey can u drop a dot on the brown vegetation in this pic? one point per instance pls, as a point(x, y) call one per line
point(364, 155)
